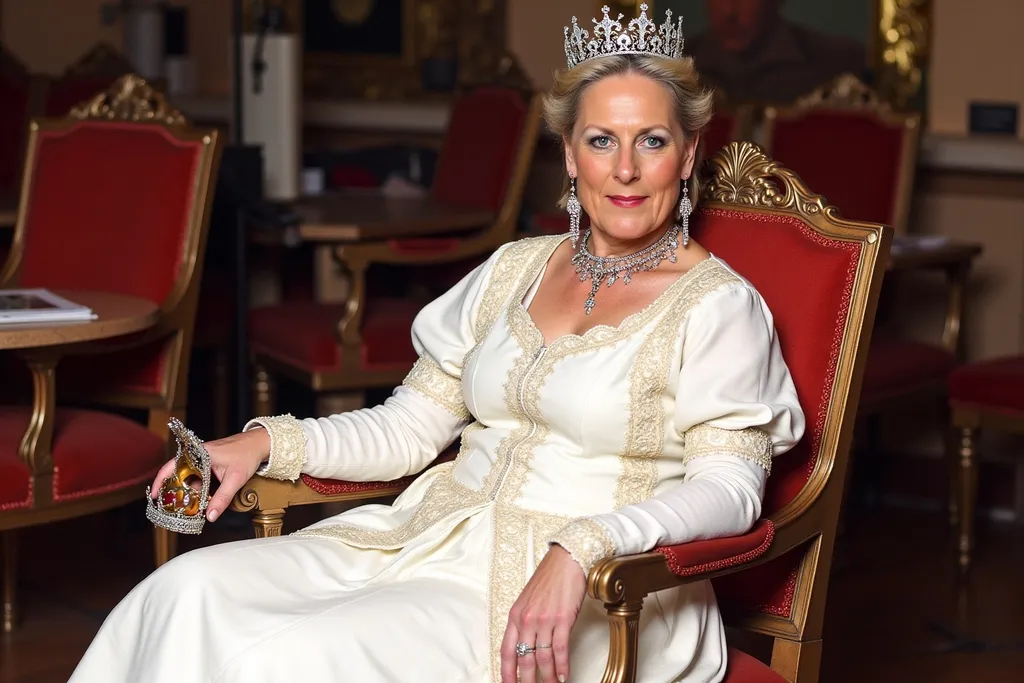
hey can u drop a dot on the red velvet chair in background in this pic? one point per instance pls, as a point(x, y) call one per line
point(116, 198)
point(364, 343)
point(772, 580)
point(984, 394)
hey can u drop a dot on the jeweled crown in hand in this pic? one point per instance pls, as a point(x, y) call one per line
point(641, 36)
point(179, 506)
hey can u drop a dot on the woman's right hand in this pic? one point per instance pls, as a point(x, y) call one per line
point(233, 460)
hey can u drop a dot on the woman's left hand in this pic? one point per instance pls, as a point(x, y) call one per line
point(542, 618)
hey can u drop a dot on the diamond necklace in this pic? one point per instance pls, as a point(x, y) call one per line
point(598, 268)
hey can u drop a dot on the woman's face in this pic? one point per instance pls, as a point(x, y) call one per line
point(628, 155)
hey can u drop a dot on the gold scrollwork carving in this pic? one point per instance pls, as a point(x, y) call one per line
point(904, 28)
point(130, 98)
point(742, 173)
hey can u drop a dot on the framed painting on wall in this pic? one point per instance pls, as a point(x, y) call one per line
point(776, 51)
point(396, 49)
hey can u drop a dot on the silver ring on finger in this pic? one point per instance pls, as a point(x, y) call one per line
point(522, 649)
point(543, 647)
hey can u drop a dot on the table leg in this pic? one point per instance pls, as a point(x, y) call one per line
point(35, 449)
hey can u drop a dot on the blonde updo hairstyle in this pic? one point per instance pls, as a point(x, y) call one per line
point(693, 102)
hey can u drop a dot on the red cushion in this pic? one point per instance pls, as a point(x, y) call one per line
point(15, 476)
point(93, 452)
point(897, 367)
point(479, 152)
point(701, 557)
point(743, 668)
point(996, 385)
point(304, 334)
point(864, 186)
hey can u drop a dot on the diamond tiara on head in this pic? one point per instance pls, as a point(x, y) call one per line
point(641, 36)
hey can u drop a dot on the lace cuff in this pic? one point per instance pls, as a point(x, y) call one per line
point(587, 541)
point(751, 444)
point(287, 446)
point(434, 384)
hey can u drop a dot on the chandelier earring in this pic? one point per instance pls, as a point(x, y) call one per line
point(685, 209)
point(572, 205)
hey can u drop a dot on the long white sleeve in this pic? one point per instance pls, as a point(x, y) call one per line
point(417, 422)
point(736, 408)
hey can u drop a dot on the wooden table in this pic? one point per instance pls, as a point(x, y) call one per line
point(42, 345)
point(926, 252)
point(345, 217)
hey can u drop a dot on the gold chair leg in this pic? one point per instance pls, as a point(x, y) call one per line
point(165, 545)
point(10, 579)
point(221, 393)
point(624, 623)
point(797, 661)
point(968, 485)
point(267, 523)
point(262, 392)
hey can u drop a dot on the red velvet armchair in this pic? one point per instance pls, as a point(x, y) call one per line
point(364, 343)
point(772, 580)
point(116, 198)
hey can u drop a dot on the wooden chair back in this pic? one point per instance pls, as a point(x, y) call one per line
point(868, 168)
point(820, 275)
point(116, 197)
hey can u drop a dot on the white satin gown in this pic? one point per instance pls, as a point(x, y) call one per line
point(660, 430)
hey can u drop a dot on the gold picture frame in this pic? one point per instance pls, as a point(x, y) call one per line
point(896, 40)
point(472, 38)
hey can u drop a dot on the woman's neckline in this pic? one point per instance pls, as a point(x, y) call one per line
point(525, 298)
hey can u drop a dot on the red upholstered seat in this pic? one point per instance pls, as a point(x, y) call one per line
point(304, 334)
point(898, 366)
point(995, 385)
point(93, 452)
point(743, 668)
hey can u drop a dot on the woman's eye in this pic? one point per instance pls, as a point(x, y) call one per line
point(652, 142)
point(601, 141)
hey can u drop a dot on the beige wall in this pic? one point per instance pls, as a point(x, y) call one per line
point(977, 49)
point(47, 35)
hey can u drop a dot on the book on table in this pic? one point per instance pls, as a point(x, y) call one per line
point(20, 306)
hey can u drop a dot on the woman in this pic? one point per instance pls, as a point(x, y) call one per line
point(594, 422)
